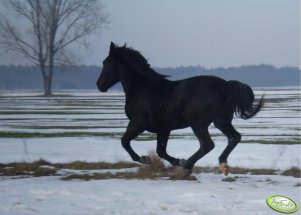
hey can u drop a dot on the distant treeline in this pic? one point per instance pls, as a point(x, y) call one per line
point(84, 77)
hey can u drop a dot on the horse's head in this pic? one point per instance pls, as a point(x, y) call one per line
point(124, 64)
point(109, 74)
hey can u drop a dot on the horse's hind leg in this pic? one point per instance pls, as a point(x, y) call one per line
point(132, 131)
point(162, 139)
point(206, 145)
point(224, 125)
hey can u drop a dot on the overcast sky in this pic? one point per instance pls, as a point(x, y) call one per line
point(209, 33)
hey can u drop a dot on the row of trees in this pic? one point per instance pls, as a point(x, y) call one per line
point(50, 28)
point(84, 77)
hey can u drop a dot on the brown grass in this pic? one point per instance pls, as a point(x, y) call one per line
point(37, 168)
point(80, 165)
point(294, 171)
point(235, 170)
point(157, 169)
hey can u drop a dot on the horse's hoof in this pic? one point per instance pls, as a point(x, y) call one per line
point(145, 160)
point(224, 168)
point(186, 173)
point(182, 162)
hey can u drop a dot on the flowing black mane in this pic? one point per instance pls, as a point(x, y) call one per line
point(137, 62)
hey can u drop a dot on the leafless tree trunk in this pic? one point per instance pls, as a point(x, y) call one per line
point(53, 25)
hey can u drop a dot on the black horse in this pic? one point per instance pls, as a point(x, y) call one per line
point(158, 105)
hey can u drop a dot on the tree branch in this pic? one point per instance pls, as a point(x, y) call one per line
point(53, 26)
point(13, 42)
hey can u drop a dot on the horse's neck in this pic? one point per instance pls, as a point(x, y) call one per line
point(133, 85)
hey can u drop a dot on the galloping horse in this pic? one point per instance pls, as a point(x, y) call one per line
point(158, 105)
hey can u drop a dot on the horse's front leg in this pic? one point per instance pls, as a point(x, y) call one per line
point(132, 131)
point(162, 139)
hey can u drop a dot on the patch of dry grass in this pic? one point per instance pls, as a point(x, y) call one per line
point(45, 168)
point(81, 165)
point(157, 169)
point(239, 170)
point(37, 168)
point(294, 171)
point(235, 170)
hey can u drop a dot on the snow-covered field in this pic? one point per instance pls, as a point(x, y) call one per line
point(210, 196)
point(88, 125)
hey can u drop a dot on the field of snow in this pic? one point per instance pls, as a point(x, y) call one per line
point(87, 126)
point(210, 196)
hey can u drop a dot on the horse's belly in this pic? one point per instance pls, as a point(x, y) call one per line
point(166, 124)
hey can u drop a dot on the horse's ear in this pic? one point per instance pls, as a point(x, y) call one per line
point(112, 46)
point(124, 45)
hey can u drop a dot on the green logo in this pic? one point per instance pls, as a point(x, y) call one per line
point(282, 204)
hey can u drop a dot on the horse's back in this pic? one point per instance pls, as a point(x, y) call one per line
point(201, 97)
point(203, 87)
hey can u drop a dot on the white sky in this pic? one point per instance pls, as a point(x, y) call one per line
point(209, 33)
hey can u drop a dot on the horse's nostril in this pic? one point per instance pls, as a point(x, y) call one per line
point(101, 88)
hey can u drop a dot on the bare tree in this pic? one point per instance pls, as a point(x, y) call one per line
point(53, 25)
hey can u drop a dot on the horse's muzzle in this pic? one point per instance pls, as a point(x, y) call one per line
point(101, 88)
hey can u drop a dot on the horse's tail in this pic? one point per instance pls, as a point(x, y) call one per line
point(241, 99)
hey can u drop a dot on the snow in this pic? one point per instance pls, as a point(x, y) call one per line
point(95, 149)
point(209, 195)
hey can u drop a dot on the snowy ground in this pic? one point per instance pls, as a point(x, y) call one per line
point(87, 126)
point(93, 149)
point(50, 195)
